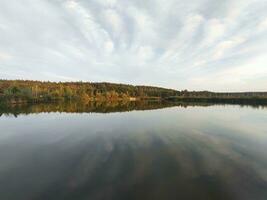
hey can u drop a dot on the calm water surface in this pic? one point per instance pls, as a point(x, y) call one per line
point(194, 152)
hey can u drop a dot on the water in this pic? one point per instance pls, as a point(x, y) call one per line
point(74, 152)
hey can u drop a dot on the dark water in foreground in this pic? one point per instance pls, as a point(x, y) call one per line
point(89, 152)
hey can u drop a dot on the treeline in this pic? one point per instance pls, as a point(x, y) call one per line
point(37, 91)
point(20, 91)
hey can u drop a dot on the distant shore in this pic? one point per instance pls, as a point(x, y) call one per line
point(23, 92)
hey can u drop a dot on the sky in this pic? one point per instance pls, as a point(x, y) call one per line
point(216, 45)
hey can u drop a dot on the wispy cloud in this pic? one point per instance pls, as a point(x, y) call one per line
point(5, 56)
point(194, 44)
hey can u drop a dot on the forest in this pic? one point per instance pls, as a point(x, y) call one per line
point(24, 91)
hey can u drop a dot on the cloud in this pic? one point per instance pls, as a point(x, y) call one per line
point(238, 78)
point(262, 26)
point(72, 4)
point(223, 46)
point(109, 46)
point(5, 56)
point(180, 44)
point(214, 30)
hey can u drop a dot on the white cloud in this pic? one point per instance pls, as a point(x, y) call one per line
point(222, 47)
point(180, 44)
point(193, 21)
point(145, 53)
point(214, 30)
point(114, 20)
point(262, 26)
point(108, 2)
point(71, 4)
point(4, 56)
point(109, 46)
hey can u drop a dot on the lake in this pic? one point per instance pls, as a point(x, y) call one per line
point(133, 151)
